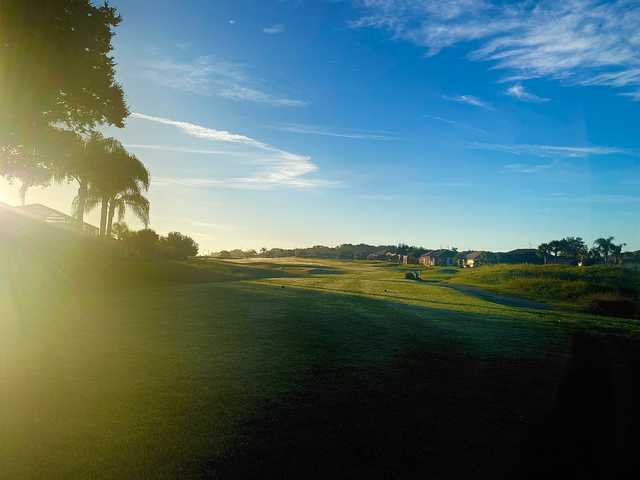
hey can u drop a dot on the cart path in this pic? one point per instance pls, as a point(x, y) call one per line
point(507, 300)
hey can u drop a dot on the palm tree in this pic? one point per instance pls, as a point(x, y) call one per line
point(117, 183)
point(604, 246)
point(544, 250)
point(135, 201)
point(79, 160)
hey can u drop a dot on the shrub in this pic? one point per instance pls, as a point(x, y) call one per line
point(178, 246)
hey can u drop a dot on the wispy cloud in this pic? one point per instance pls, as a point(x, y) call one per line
point(237, 92)
point(457, 124)
point(469, 100)
point(518, 91)
point(524, 168)
point(582, 42)
point(178, 149)
point(635, 96)
point(315, 130)
point(596, 198)
point(205, 76)
point(550, 150)
point(274, 29)
point(279, 168)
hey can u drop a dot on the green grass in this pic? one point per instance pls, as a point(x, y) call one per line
point(113, 368)
point(563, 285)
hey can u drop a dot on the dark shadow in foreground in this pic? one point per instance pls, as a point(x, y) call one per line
point(447, 415)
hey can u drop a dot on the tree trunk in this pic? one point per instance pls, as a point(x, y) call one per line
point(82, 201)
point(112, 211)
point(23, 192)
point(103, 216)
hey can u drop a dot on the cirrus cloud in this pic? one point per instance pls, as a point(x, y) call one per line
point(579, 42)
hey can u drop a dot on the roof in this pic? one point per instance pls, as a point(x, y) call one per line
point(48, 214)
point(523, 251)
point(473, 255)
point(439, 253)
point(41, 211)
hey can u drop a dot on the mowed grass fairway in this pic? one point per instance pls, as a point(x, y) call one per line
point(291, 367)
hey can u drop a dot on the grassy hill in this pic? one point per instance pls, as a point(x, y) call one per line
point(121, 368)
point(599, 289)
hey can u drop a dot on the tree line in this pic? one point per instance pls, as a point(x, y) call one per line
point(147, 243)
point(567, 250)
point(58, 86)
point(575, 249)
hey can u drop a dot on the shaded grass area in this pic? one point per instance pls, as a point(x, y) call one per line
point(220, 372)
point(584, 288)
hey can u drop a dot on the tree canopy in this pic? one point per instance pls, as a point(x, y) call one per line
point(56, 68)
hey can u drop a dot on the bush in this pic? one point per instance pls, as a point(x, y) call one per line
point(178, 246)
point(143, 242)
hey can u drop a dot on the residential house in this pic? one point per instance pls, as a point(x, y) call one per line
point(520, 255)
point(473, 259)
point(55, 217)
point(438, 258)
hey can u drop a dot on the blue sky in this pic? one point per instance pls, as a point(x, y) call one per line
point(468, 123)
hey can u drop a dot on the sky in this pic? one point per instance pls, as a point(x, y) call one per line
point(477, 124)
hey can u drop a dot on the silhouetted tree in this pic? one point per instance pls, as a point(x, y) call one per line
point(121, 230)
point(544, 250)
point(179, 246)
point(56, 68)
point(117, 182)
point(604, 247)
point(143, 242)
point(28, 168)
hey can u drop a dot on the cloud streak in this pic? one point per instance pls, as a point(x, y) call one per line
point(457, 124)
point(519, 92)
point(206, 77)
point(551, 150)
point(469, 100)
point(579, 42)
point(315, 130)
point(279, 168)
point(274, 29)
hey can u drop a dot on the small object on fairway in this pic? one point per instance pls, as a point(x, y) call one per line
point(281, 286)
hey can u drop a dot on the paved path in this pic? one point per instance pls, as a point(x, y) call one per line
point(507, 300)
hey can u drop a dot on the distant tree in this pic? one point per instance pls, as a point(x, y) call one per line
point(616, 253)
point(574, 247)
point(27, 167)
point(556, 247)
point(604, 247)
point(178, 246)
point(224, 254)
point(544, 250)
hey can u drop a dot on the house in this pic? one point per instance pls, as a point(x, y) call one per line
point(394, 257)
point(55, 217)
point(438, 258)
point(472, 259)
point(520, 255)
